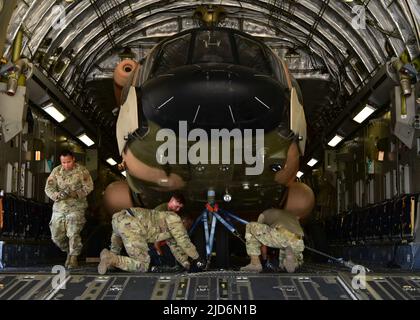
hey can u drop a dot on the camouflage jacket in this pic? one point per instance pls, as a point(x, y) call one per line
point(162, 207)
point(164, 225)
point(69, 189)
point(281, 218)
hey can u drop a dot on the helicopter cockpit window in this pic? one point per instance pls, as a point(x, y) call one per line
point(173, 54)
point(278, 67)
point(252, 55)
point(212, 46)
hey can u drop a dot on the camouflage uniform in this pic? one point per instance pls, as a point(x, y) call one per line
point(149, 226)
point(68, 190)
point(116, 241)
point(275, 229)
point(162, 207)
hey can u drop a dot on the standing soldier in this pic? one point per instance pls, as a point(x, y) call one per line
point(139, 227)
point(68, 186)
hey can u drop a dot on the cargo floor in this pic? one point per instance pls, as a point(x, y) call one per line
point(313, 282)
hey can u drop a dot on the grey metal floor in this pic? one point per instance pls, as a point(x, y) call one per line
point(312, 282)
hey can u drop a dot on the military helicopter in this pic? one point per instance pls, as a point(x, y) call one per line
point(210, 110)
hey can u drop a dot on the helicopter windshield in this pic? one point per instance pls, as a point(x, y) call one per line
point(251, 55)
point(173, 54)
point(211, 46)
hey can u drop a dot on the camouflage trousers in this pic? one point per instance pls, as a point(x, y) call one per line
point(258, 234)
point(129, 232)
point(65, 231)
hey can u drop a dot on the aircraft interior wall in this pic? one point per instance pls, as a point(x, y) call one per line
point(40, 143)
point(375, 166)
point(367, 203)
point(126, 75)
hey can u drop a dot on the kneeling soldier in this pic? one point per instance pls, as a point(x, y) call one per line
point(135, 229)
point(275, 228)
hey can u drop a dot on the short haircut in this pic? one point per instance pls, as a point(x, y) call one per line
point(179, 197)
point(66, 153)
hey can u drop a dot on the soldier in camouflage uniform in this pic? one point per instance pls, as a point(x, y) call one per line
point(175, 204)
point(139, 227)
point(68, 186)
point(275, 228)
point(165, 258)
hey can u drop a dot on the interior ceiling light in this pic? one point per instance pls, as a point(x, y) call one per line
point(299, 174)
point(312, 162)
point(227, 197)
point(54, 113)
point(364, 114)
point(335, 141)
point(86, 140)
point(124, 173)
point(112, 162)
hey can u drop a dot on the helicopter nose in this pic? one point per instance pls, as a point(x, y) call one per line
point(214, 97)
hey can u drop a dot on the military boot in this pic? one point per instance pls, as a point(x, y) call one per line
point(108, 260)
point(290, 262)
point(254, 266)
point(73, 264)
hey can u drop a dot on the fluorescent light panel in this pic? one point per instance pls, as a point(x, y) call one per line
point(53, 112)
point(124, 173)
point(86, 140)
point(335, 141)
point(299, 174)
point(312, 162)
point(112, 162)
point(364, 114)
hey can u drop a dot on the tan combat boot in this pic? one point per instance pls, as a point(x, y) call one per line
point(108, 260)
point(73, 264)
point(254, 266)
point(290, 262)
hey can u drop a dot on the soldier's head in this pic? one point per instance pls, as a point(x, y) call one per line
point(67, 160)
point(177, 203)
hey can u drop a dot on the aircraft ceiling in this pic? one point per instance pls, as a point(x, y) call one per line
point(316, 37)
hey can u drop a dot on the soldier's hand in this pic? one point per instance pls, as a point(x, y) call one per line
point(62, 195)
point(73, 194)
point(67, 194)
